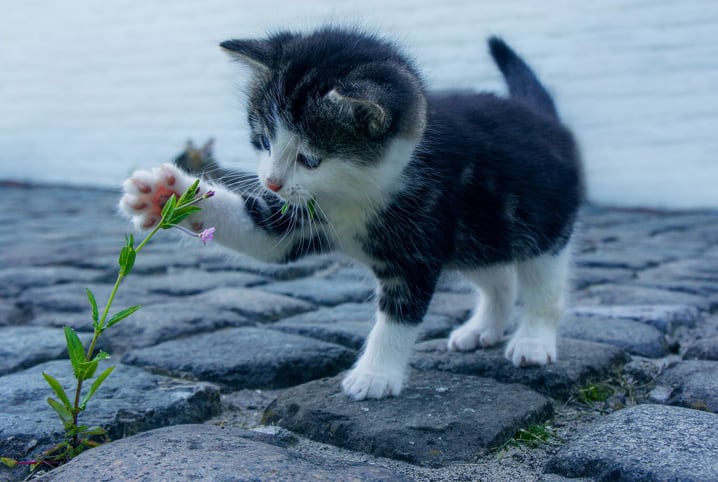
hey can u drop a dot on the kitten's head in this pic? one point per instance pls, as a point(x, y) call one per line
point(333, 111)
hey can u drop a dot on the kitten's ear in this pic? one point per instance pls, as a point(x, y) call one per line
point(363, 111)
point(207, 148)
point(256, 54)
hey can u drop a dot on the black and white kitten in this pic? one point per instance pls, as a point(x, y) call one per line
point(407, 181)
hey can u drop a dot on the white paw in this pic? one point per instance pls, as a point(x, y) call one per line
point(360, 384)
point(146, 192)
point(467, 338)
point(524, 350)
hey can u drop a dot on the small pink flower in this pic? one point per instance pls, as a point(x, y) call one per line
point(207, 235)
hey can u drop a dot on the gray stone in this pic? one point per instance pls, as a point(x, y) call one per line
point(620, 256)
point(585, 276)
point(207, 452)
point(617, 294)
point(160, 322)
point(439, 419)
point(324, 291)
point(14, 280)
point(692, 384)
point(254, 304)
point(240, 358)
point(131, 400)
point(25, 346)
point(349, 324)
point(636, 338)
point(71, 298)
point(297, 269)
point(703, 349)
point(192, 282)
point(579, 362)
point(646, 442)
point(666, 318)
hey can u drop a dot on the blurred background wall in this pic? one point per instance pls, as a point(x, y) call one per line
point(91, 90)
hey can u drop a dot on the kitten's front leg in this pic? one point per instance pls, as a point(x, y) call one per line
point(228, 212)
point(382, 367)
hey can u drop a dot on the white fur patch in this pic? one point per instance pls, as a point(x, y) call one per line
point(381, 369)
point(543, 285)
point(497, 287)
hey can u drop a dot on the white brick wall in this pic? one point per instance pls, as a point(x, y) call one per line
point(91, 90)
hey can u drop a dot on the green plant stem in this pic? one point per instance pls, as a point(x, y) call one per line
point(100, 328)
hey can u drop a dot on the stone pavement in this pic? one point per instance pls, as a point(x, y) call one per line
point(231, 370)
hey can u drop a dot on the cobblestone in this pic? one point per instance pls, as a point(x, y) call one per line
point(226, 340)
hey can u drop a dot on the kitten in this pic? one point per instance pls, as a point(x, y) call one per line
point(357, 155)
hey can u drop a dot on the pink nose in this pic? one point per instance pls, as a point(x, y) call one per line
point(273, 186)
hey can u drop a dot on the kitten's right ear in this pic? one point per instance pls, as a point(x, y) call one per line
point(256, 54)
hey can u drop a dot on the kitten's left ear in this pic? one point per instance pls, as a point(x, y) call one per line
point(364, 112)
point(256, 54)
point(207, 148)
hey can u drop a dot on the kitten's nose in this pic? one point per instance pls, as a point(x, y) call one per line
point(273, 185)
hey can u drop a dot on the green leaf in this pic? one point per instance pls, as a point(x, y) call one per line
point(189, 194)
point(121, 315)
point(87, 369)
point(95, 385)
point(93, 303)
point(8, 462)
point(181, 213)
point(75, 350)
point(127, 260)
point(285, 208)
point(59, 391)
point(62, 412)
point(169, 208)
point(95, 430)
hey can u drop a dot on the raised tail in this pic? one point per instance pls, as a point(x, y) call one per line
point(521, 80)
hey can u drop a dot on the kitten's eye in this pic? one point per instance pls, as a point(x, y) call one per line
point(264, 141)
point(308, 161)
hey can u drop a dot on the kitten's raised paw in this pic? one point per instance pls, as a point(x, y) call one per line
point(361, 384)
point(467, 338)
point(525, 350)
point(146, 192)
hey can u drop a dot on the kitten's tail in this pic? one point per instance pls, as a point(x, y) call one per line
point(521, 80)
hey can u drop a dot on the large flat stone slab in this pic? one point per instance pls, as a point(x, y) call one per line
point(665, 318)
point(691, 383)
point(238, 358)
point(646, 442)
point(579, 362)
point(439, 419)
point(626, 294)
point(349, 324)
point(703, 349)
point(14, 280)
point(325, 291)
point(160, 322)
point(254, 304)
point(131, 400)
point(208, 452)
point(189, 282)
point(25, 346)
point(634, 337)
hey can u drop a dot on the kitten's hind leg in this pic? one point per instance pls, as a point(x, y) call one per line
point(543, 286)
point(497, 296)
